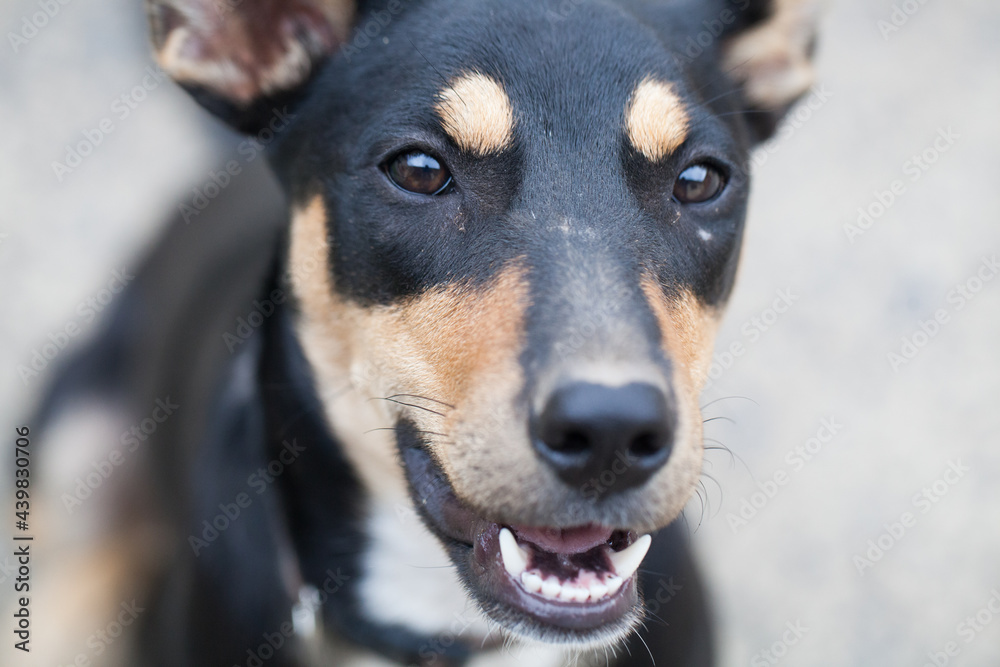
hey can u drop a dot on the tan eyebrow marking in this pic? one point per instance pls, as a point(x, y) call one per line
point(656, 121)
point(476, 113)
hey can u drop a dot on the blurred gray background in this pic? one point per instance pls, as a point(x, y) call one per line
point(832, 440)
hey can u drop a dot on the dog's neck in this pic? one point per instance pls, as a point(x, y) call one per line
point(388, 586)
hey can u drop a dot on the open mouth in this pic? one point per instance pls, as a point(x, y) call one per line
point(576, 565)
point(562, 585)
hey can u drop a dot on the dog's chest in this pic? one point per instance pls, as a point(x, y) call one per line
point(410, 582)
point(409, 579)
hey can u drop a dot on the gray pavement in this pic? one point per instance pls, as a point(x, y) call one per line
point(860, 522)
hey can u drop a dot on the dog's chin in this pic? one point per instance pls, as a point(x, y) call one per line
point(570, 586)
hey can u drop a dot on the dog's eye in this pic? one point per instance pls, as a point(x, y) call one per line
point(419, 173)
point(698, 183)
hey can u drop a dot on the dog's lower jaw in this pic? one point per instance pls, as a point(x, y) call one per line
point(410, 582)
point(604, 617)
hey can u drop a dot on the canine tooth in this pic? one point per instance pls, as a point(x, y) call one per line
point(532, 582)
point(551, 588)
point(627, 561)
point(598, 590)
point(515, 559)
point(613, 583)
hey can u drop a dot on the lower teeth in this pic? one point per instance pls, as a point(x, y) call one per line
point(588, 585)
point(554, 589)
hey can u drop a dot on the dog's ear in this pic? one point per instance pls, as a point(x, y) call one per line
point(769, 54)
point(245, 59)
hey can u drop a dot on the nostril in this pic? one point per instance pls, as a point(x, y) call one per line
point(572, 442)
point(646, 444)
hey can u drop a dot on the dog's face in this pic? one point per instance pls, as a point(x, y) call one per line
point(527, 217)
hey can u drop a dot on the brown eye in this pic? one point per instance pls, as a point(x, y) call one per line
point(418, 172)
point(698, 183)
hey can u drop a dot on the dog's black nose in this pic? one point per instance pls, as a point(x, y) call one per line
point(605, 439)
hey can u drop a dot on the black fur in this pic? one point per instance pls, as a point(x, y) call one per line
point(569, 69)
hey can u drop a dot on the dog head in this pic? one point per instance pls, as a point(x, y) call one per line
point(515, 224)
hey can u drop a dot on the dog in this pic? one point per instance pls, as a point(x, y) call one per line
point(431, 396)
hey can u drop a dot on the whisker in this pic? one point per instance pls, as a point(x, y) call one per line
point(658, 574)
point(429, 63)
point(719, 97)
point(723, 75)
point(701, 514)
point(423, 398)
point(409, 405)
point(396, 428)
point(687, 524)
point(727, 398)
point(733, 456)
point(655, 617)
point(712, 419)
point(742, 112)
point(716, 482)
point(706, 507)
point(652, 659)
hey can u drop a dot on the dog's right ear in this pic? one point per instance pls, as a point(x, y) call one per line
point(769, 54)
point(245, 59)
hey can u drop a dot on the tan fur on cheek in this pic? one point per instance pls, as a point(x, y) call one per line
point(441, 349)
point(328, 329)
point(476, 113)
point(688, 330)
point(656, 121)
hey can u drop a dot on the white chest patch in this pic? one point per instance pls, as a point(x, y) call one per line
point(410, 580)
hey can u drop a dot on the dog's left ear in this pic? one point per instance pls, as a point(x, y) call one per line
point(245, 59)
point(770, 56)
